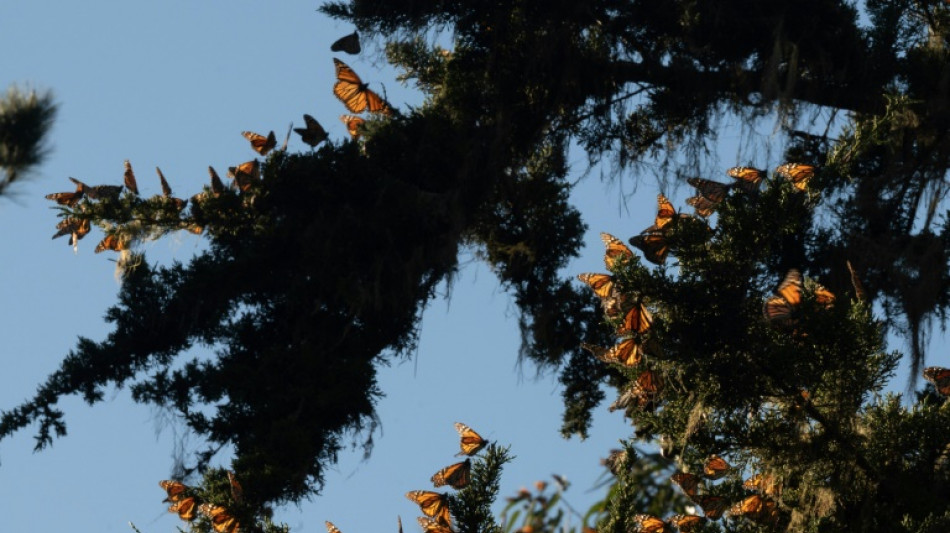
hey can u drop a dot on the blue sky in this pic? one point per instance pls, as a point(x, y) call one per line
point(173, 84)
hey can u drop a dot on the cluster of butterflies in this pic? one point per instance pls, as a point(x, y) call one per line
point(759, 507)
point(187, 506)
point(653, 241)
point(434, 505)
point(633, 321)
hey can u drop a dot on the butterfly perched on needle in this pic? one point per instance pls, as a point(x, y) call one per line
point(688, 483)
point(779, 307)
point(704, 206)
point(431, 525)
point(939, 377)
point(432, 504)
point(354, 94)
point(652, 242)
point(715, 467)
point(260, 143)
point(747, 178)
point(314, 133)
point(616, 250)
point(764, 484)
point(112, 242)
point(348, 43)
point(69, 199)
point(798, 174)
point(217, 186)
point(627, 352)
point(469, 441)
point(757, 508)
point(186, 508)
point(713, 506)
point(354, 125)
point(456, 476)
point(246, 175)
point(710, 195)
point(221, 519)
point(641, 395)
point(98, 192)
point(637, 320)
point(687, 523)
point(601, 284)
point(174, 489)
point(167, 191)
point(129, 178)
point(650, 524)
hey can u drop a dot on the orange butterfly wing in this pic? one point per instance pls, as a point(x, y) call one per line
point(432, 504)
point(688, 483)
point(650, 524)
point(713, 506)
point(353, 124)
point(713, 191)
point(652, 242)
point(354, 94)
point(715, 467)
point(687, 523)
point(174, 489)
point(185, 508)
point(259, 143)
point(470, 441)
point(221, 519)
point(331, 528)
point(797, 173)
point(939, 377)
point(616, 250)
point(664, 211)
point(748, 178)
point(601, 284)
point(456, 475)
point(637, 320)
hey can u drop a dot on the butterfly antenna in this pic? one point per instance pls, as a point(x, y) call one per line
point(287, 138)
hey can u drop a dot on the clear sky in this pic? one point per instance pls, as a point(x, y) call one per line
point(173, 84)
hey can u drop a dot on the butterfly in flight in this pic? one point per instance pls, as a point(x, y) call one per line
point(354, 94)
point(348, 43)
point(470, 441)
point(259, 143)
point(748, 178)
point(457, 475)
point(331, 528)
point(797, 173)
point(314, 133)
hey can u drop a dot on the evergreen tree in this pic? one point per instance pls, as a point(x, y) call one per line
point(25, 120)
point(319, 266)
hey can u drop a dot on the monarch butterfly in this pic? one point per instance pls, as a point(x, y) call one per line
point(217, 186)
point(185, 508)
point(778, 308)
point(97, 192)
point(432, 504)
point(703, 206)
point(353, 125)
point(713, 191)
point(221, 519)
point(112, 242)
point(237, 492)
point(859, 291)
point(69, 199)
point(129, 178)
point(314, 133)
point(246, 175)
point(664, 211)
point(823, 296)
point(748, 178)
point(797, 173)
point(430, 525)
point(259, 143)
point(637, 320)
point(348, 43)
point(614, 304)
point(757, 509)
point(601, 284)
point(650, 524)
point(642, 394)
point(687, 523)
point(167, 191)
point(76, 228)
point(715, 467)
point(713, 506)
point(616, 460)
point(456, 476)
point(331, 528)
point(688, 483)
point(652, 242)
point(616, 250)
point(940, 377)
point(354, 94)
point(174, 489)
point(470, 441)
point(763, 483)
point(627, 352)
